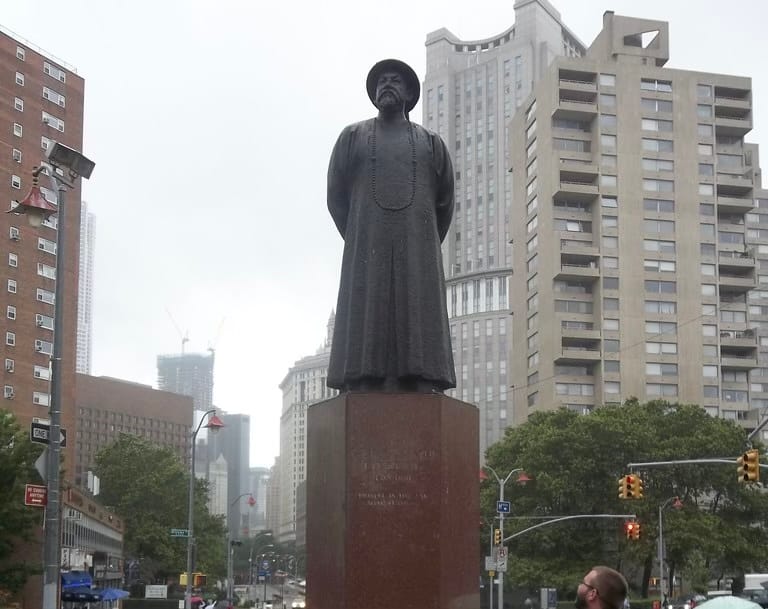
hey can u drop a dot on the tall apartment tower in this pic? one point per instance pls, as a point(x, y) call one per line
point(85, 290)
point(636, 221)
point(471, 90)
point(42, 102)
point(259, 481)
point(188, 374)
point(302, 386)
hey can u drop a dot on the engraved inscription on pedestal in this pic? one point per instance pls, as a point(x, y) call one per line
point(392, 478)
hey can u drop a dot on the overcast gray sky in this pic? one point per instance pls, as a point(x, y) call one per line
point(211, 124)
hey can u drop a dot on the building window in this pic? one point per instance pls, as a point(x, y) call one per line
point(18, 104)
point(42, 372)
point(45, 143)
point(652, 84)
point(44, 321)
point(45, 270)
point(46, 296)
point(16, 155)
point(53, 96)
point(656, 105)
point(54, 72)
point(15, 181)
point(10, 312)
point(652, 124)
point(10, 365)
point(18, 130)
point(40, 398)
point(20, 79)
point(21, 53)
point(10, 339)
point(656, 145)
point(46, 245)
point(661, 389)
point(13, 259)
point(12, 286)
point(607, 80)
point(52, 121)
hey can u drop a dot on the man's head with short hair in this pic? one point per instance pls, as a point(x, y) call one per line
point(602, 588)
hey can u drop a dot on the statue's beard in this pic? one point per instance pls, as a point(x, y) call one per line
point(389, 99)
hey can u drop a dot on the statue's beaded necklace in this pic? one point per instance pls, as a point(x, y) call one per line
point(413, 169)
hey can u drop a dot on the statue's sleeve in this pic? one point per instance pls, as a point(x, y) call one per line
point(338, 182)
point(444, 198)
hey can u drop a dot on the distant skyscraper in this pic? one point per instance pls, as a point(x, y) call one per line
point(471, 90)
point(259, 482)
point(217, 480)
point(233, 442)
point(85, 290)
point(188, 374)
point(638, 233)
point(273, 497)
point(302, 386)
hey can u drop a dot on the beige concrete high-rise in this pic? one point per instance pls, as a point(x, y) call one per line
point(471, 90)
point(636, 263)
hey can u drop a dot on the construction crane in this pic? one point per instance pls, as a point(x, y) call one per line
point(183, 336)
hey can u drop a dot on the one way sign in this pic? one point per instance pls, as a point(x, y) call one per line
point(39, 432)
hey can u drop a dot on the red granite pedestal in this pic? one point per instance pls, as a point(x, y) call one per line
point(392, 503)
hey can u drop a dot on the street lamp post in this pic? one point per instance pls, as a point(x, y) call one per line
point(253, 547)
point(660, 549)
point(62, 159)
point(214, 424)
point(231, 543)
point(521, 479)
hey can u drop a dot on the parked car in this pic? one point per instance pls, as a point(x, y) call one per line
point(757, 596)
point(689, 601)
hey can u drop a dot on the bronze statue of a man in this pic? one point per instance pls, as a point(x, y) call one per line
point(390, 193)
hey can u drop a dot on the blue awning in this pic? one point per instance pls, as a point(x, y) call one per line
point(76, 579)
point(112, 594)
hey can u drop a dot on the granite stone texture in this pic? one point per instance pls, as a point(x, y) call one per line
point(392, 503)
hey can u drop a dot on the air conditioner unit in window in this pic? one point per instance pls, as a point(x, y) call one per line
point(39, 323)
point(38, 345)
point(9, 394)
point(15, 237)
point(9, 367)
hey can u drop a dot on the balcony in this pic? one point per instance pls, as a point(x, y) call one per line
point(571, 187)
point(577, 103)
point(737, 282)
point(731, 99)
point(577, 171)
point(745, 339)
point(732, 124)
point(579, 248)
point(738, 362)
point(735, 204)
point(739, 262)
point(579, 351)
point(577, 81)
point(571, 331)
point(578, 270)
point(734, 187)
point(744, 181)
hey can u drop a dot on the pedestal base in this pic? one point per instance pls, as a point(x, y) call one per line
point(392, 503)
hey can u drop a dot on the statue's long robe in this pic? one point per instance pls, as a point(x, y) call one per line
point(391, 317)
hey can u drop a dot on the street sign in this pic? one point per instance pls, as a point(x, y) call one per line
point(501, 559)
point(265, 565)
point(503, 507)
point(34, 494)
point(40, 429)
point(490, 563)
point(41, 465)
point(179, 532)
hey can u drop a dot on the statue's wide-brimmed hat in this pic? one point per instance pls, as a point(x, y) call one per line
point(402, 68)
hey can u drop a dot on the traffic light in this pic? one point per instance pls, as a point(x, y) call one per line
point(622, 488)
point(497, 537)
point(183, 579)
point(749, 466)
point(637, 487)
point(199, 579)
point(632, 530)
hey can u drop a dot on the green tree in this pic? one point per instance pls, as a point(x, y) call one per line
point(148, 486)
point(17, 521)
point(575, 462)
